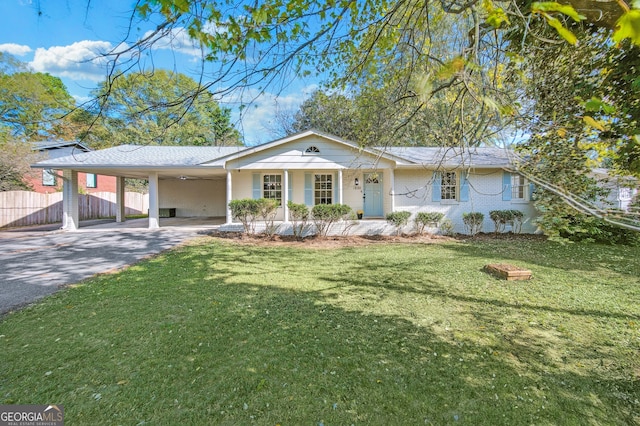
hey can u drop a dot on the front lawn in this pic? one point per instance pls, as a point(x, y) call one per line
point(217, 332)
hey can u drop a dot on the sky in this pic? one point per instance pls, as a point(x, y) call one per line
point(63, 37)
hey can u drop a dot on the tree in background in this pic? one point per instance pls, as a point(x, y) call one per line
point(16, 158)
point(150, 108)
point(31, 104)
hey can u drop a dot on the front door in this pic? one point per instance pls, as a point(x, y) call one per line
point(372, 194)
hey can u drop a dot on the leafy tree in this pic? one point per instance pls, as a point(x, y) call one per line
point(144, 108)
point(15, 160)
point(31, 104)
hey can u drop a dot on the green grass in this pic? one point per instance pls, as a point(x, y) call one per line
point(222, 333)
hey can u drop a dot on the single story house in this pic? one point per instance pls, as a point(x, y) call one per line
point(310, 168)
point(51, 181)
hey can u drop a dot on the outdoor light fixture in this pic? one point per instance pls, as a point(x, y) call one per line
point(357, 182)
point(182, 177)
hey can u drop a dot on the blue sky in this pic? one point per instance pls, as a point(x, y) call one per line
point(62, 37)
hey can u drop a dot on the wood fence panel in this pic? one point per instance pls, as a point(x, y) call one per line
point(24, 208)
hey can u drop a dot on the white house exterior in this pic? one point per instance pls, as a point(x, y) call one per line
point(309, 168)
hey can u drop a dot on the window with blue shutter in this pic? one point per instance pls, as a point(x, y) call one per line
point(308, 189)
point(464, 187)
point(257, 190)
point(506, 186)
point(437, 187)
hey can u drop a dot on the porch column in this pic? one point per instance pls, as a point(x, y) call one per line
point(392, 182)
point(285, 196)
point(229, 197)
point(154, 206)
point(70, 212)
point(120, 216)
point(340, 191)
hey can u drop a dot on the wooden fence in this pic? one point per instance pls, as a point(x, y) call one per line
point(24, 208)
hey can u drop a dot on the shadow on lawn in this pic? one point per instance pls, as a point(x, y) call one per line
point(549, 254)
point(187, 346)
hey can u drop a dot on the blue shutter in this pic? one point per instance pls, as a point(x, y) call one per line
point(532, 188)
point(464, 187)
point(290, 190)
point(257, 190)
point(336, 189)
point(506, 186)
point(308, 189)
point(437, 187)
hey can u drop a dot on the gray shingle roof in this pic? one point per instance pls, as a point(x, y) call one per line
point(453, 157)
point(53, 144)
point(143, 156)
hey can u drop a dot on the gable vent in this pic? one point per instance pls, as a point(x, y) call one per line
point(312, 150)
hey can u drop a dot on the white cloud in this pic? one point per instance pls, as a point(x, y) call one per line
point(15, 49)
point(259, 115)
point(177, 40)
point(82, 60)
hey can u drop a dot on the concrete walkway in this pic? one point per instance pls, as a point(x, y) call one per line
point(37, 261)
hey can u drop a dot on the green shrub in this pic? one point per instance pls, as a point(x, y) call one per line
point(473, 222)
point(446, 227)
point(398, 219)
point(324, 215)
point(424, 219)
point(299, 216)
point(245, 210)
point(502, 218)
point(267, 209)
point(580, 227)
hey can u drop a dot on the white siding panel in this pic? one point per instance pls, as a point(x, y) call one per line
point(194, 198)
point(414, 194)
point(292, 156)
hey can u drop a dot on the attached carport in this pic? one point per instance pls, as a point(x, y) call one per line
point(175, 174)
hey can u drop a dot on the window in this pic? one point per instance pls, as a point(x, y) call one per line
point(272, 187)
point(323, 189)
point(92, 180)
point(48, 178)
point(518, 187)
point(312, 150)
point(449, 186)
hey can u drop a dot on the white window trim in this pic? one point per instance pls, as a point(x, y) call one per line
point(333, 187)
point(456, 199)
point(262, 183)
point(311, 150)
point(526, 196)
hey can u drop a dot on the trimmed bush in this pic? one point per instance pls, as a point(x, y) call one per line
point(446, 227)
point(299, 216)
point(473, 222)
point(324, 215)
point(267, 209)
point(424, 219)
point(245, 210)
point(398, 219)
point(502, 218)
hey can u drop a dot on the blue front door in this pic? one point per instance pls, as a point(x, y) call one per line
point(372, 194)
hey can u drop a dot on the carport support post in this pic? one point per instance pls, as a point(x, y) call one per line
point(340, 189)
point(229, 195)
point(70, 213)
point(154, 206)
point(285, 196)
point(120, 216)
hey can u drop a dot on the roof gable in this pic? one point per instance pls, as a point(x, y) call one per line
point(306, 150)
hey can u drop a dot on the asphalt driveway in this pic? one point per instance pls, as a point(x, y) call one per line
point(36, 263)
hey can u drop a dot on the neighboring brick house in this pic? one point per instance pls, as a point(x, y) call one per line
point(49, 181)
